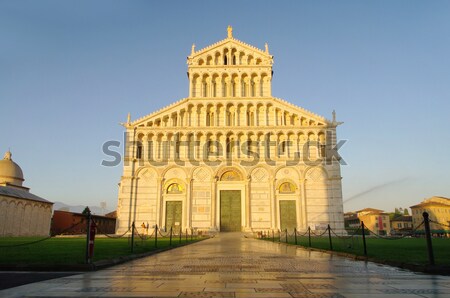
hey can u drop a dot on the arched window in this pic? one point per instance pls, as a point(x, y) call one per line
point(209, 119)
point(231, 175)
point(214, 89)
point(159, 144)
point(174, 188)
point(234, 60)
point(177, 149)
point(225, 60)
point(139, 150)
point(174, 120)
point(287, 187)
point(282, 148)
point(224, 88)
point(205, 89)
point(250, 118)
point(229, 147)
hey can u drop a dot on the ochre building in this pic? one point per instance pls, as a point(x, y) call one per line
point(230, 156)
point(438, 209)
point(377, 221)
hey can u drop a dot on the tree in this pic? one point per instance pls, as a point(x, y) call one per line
point(405, 211)
point(86, 211)
point(397, 212)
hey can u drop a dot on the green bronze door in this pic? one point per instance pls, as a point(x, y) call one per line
point(173, 215)
point(230, 210)
point(288, 216)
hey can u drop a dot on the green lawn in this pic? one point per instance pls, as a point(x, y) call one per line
point(406, 250)
point(73, 250)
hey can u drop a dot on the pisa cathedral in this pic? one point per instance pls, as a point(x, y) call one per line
point(230, 156)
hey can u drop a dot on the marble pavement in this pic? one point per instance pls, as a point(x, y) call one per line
point(231, 265)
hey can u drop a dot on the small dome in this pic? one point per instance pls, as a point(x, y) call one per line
point(10, 172)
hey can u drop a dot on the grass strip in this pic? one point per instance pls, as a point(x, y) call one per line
point(72, 250)
point(406, 250)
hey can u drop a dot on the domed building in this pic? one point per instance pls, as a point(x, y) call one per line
point(21, 212)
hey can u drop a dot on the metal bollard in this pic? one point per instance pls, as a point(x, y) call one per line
point(295, 235)
point(309, 236)
point(156, 236)
point(132, 237)
point(170, 241)
point(364, 238)
point(329, 237)
point(426, 221)
point(88, 222)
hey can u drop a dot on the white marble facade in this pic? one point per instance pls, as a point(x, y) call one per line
point(231, 134)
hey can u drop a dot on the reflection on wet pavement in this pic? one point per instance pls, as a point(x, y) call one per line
point(231, 265)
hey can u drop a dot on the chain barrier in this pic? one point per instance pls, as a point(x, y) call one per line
point(162, 235)
point(395, 238)
point(438, 223)
point(326, 230)
point(364, 228)
point(301, 235)
point(41, 240)
point(346, 237)
point(139, 235)
point(151, 235)
point(113, 236)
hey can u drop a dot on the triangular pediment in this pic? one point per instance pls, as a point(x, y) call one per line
point(235, 46)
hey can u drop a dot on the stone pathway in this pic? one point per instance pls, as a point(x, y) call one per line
point(233, 266)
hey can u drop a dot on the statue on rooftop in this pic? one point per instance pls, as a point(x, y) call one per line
point(230, 32)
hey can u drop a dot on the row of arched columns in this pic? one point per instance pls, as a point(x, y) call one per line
point(230, 85)
point(231, 114)
point(223, 145)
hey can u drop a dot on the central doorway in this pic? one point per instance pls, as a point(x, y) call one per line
point(230, 210)
point(173, 215)
point(288, 216)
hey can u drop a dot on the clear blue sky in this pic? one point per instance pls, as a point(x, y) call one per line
point(70, 71)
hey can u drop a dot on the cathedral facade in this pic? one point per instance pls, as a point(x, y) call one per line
point(231, 157)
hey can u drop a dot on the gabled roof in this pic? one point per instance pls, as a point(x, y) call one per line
point(426, 204)
point(14, 192)
point(434, 201)
point(371, 210)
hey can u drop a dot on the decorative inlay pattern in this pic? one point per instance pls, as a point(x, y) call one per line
point(202, 175)
point(314, 175)
point(260, 175)
point(147, 175)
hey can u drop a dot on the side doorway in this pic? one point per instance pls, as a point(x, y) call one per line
point(173, 215)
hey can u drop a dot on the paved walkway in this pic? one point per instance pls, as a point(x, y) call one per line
point(233, 266)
